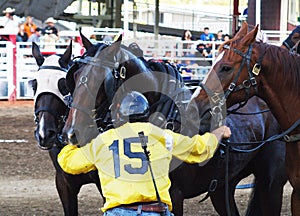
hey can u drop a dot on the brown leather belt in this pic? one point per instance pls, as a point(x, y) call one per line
point(151, 207)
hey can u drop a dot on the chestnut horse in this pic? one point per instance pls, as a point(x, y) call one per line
point(51, 109)
point(245, 68)
point(101, 74)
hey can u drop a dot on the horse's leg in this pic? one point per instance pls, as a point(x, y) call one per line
point(67, 192)
point(293, 169)
point(266, 197)
point(254, 204)
point(177, 200)
point(67, 186)
point(218, 200)
point(270, 178)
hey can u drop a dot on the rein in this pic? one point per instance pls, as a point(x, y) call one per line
point(219, 101)
point(47, 67)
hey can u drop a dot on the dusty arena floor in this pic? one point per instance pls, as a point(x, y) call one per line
point(27, 184)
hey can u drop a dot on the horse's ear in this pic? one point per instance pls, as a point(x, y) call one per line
point(112, 49)
point(242, 32)
point(250, 37)
point(66, 57)
point(33, 84)
point(119, 38)
point(37, 54)
point(86, 43)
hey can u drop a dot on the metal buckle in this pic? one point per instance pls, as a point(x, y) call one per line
point(246, 84)
point(213, 185)
point(253, 81)
point(231, 87)
point(215, 98)
point(123, 72)
point(256, 69)
point(83, 79)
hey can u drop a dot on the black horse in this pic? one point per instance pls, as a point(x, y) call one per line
point(107, 77)
point(50, 110)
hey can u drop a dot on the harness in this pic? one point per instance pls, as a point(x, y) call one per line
point(100, 115)
point(47, 81)
point(219, 102)
point(246, 85)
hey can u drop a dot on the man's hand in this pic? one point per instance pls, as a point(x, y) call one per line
point(222, 132)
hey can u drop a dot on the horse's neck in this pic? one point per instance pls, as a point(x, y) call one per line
point(281, 94)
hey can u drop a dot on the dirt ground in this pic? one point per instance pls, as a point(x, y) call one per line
point(27, 184)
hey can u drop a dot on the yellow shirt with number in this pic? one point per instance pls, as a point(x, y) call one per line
point(122, 166)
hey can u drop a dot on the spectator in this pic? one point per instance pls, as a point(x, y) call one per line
point(93, 38)
point(187, 36)
point(206, 35)
point(226, 37)
point(219, 38)
point(50, 35)
point(188, 49)
point(205, 51)
point(35, 37)
point(106, 38)
point(29, 26)
point(50, 28)
point(22, 35)
point(10, 22)
point(123, 156)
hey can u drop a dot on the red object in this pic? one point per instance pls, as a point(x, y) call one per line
point(13, 96)
point(235, 17)
point(44, 53)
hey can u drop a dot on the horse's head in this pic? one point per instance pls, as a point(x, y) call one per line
point(95, 79)
point(233, 76)
point(49, 91)
point(292, 40)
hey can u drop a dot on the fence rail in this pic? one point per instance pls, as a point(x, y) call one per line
point(189, 60)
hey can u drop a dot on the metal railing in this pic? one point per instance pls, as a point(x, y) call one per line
point(192, 64)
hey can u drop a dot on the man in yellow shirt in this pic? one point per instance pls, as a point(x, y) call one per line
point(130, 185)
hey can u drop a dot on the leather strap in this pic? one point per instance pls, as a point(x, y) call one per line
point(155, 207)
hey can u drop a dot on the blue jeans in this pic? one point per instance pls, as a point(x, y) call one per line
point(121, 211)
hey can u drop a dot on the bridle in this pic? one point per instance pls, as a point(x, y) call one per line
point(61, 119)
point(218, 99)
point(100, 115)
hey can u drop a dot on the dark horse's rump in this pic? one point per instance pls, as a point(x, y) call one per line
point(192, 180)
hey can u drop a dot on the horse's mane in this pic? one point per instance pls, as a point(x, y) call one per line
point(289, 62)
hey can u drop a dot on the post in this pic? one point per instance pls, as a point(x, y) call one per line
point(156, 21)
point(257, 12)
point(235, 18)
point(134, 19)
point(126, 8)
point(13, 95)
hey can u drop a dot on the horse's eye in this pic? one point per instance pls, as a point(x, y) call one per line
point(226, 68)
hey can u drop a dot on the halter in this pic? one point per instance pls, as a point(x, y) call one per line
point(101, 113)
point(219, 100)
point(51, 91)
point(60, 118)
point(52, 67)
point(251, 81)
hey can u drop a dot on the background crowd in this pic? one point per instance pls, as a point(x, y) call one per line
point(26, 29)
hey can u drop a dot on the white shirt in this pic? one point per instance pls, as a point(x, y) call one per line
point(10, 25)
